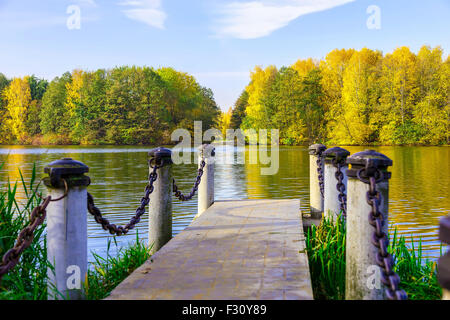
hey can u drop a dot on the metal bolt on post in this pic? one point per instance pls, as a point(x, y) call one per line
point(316, 180)
point(335, 182)
point(67, 228)
point(160, 209)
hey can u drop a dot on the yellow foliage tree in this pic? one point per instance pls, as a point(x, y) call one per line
point(398, 96)
point(353, 125)
point(304, 66)
point(431, 114)
point(332, 70)
point(73, 104)
point(256, 114)
point(224, 120)
point(18, 98)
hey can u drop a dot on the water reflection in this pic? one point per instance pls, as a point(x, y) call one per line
point(418, 190)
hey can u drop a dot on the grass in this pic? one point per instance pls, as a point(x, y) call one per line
point(108, 272)
point(28, 279)
point(325, 245)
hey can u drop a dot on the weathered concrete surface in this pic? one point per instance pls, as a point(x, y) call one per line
point(247, 249)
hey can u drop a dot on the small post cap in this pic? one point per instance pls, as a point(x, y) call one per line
point(336, 153)
point(160, 156)
point(369, 158)
point(368, 162)
point(70, 170)
point(160, 152)
point(317, 148)
point(207, 150)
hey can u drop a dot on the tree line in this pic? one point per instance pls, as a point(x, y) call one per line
point(351, 98)
point(123, 105)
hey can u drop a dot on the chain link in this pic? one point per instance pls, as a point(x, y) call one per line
point(340, 186)
point(121, 230)
point(25, 238)
point(319, 162)
point(380, 240)
point(194, 189)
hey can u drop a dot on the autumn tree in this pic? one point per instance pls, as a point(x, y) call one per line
point(18, 99)
point(258, 115)
point(332, 72)
point(430, 113)
point(399, 92)
point(223, 121)
point(5, 134)
point(353, 125)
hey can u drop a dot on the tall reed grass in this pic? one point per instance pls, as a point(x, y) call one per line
point(28, 279)
point(107, 272)
point(326, 243)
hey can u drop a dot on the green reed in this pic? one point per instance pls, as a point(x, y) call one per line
point(107, 273)
point(325, 245)
point(28, 279)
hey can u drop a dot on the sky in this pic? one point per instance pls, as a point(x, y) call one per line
point(219, 42)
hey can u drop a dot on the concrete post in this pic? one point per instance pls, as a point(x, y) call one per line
point(315, 196)
point(333, 157)
point(206, 186)
point(160, 207)
point(67, 229)
point(443, 269)
point(363, 275)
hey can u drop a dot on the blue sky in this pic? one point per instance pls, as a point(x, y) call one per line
point(219, 42)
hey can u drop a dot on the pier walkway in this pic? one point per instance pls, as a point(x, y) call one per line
point(245, 249)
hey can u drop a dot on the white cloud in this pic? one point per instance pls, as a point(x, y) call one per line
point(149, 12)
point(255, 19)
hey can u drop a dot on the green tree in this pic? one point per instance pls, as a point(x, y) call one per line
point(238, 112)
point(313, 109)
point(54, 118)
point(285, 102)
point(37, 87)
point(138, 117)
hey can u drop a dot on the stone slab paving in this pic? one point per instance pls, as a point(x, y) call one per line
point(236, 250)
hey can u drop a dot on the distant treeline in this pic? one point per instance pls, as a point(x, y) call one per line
point(351, 98)
point(124, 105)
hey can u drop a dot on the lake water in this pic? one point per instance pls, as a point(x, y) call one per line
point(419, 186)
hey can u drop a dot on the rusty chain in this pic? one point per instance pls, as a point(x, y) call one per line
point(26, 236)
point(121, 230)
point(379, 238)
point(319, 162)
point(188, 197)
point(340, 186)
